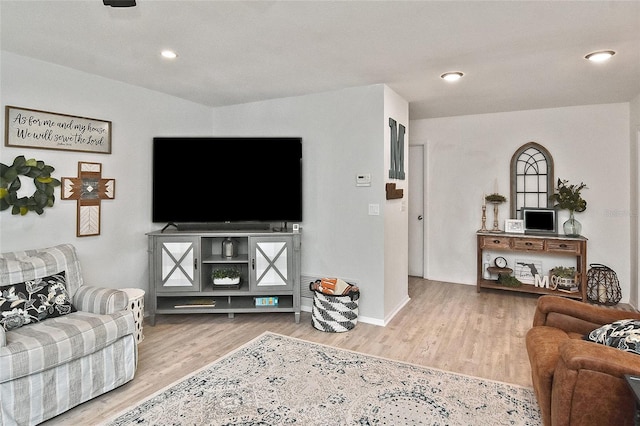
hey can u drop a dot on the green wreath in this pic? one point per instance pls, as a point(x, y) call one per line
point(10, 184)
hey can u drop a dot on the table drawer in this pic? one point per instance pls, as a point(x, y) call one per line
point(563, 246)
point(528, 244)
point(495, 242)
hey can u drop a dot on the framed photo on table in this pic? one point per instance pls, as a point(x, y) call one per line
point(514, 226)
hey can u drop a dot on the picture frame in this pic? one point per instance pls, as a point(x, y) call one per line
point(32, 128)
point(514, 226)
point(525, 270)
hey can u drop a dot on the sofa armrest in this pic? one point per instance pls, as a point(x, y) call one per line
point(589, 385)
point(3, 338)
point(100, 300)
point(575, 316)
point(583, 355)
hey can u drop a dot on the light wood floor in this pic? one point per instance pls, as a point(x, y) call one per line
point(445, 326)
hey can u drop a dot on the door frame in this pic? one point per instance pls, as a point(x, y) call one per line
point(421, 151)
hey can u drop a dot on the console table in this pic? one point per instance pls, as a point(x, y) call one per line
point(540, 245)
point(181, 264)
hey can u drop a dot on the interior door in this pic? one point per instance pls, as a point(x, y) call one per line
point(416, 210)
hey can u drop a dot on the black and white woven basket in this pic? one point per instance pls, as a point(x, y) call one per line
point(335, 314)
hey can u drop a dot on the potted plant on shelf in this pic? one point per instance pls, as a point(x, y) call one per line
point(564, 278)
point(568, 197)
point(226, 276)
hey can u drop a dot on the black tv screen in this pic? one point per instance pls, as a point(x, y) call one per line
point(208, 180)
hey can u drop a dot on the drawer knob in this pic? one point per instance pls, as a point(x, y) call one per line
point(563, 246)
point(496, 241)
point(528, 243)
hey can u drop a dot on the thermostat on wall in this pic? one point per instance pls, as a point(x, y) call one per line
point(363, 179)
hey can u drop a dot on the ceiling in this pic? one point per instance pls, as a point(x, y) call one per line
point(516, 55)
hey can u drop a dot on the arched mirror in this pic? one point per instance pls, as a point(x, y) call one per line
point(531, 178)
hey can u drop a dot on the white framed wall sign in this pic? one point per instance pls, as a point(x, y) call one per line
point(32, 128)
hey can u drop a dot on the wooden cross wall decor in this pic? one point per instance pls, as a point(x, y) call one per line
point(89, 189)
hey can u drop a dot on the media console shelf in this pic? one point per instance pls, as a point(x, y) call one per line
point(181, 264)
point(547, 247)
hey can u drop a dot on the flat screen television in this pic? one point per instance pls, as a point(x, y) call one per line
point(540, 220)
point(202, 182)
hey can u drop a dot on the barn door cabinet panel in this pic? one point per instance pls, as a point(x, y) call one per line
point(271, 264)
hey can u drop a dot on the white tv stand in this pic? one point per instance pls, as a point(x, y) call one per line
point(181, 264)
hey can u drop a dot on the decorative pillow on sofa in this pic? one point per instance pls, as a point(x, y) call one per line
point(622, 334)
point(34, 301)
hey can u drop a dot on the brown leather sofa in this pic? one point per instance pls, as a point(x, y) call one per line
point(579, 382)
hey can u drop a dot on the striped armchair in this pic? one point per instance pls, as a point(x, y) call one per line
point(50, 366)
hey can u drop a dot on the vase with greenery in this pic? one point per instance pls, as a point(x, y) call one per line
point(568, 197)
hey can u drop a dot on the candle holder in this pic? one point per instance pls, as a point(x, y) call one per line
point(495, 228)
point(484, 218)
point(495, 199)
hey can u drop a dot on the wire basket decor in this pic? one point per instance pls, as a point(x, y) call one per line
point(603, 286)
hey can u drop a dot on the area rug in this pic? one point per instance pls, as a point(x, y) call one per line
point(280, 380)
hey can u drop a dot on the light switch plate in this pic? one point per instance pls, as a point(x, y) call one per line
point(363, 179)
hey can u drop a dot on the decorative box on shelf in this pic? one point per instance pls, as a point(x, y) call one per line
point(267, 301)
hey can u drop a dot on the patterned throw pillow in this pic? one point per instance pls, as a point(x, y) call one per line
point(622, 334)
point(34, 301)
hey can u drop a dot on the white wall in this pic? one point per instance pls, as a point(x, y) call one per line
point(396, 218)
point(634, 156)
point(342, 135)
point(467, 154)
point(116, 258)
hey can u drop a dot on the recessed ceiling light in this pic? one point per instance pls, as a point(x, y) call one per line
point(169, 54)
point(600, 56)
point(452, 76)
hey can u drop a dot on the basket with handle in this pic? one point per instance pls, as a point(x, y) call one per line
point(603, 286)
point(334, 313)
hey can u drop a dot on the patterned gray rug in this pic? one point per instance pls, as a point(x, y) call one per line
point(279, 380)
